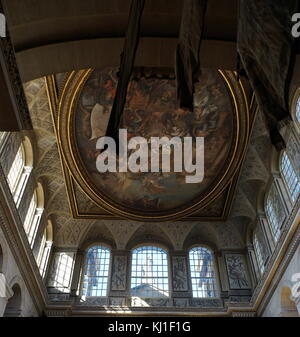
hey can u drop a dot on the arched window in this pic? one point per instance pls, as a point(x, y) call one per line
point(275, 211)
point(20, 170)
point(32, 220)
point(34, 213)
point(96, 271)
point(273, 220)
point(30, 214)
point(16, 172)
point(289, 175)
point(203, 275)
point(149, 272)
point(45, 249)
point(258, 253)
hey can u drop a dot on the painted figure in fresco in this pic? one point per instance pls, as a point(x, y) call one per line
point(152, 110)
point(101, 111)
point(99, 121)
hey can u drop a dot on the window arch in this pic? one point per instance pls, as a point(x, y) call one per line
point(29, 222)
point(45, 249)
point(20, 170)
point(289, 176)
point(34, 214)
point(149, 272)
point(258, 253)
point(274, 211)
point(96, 271)
point(16, 171)
point(203, 274)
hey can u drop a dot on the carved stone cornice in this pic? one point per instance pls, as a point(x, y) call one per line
point(16, 238)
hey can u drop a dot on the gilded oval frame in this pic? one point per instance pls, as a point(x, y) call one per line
point(66, 133)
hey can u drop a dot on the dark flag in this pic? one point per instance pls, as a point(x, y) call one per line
point(187, 54)
point(126, 67)
point(265, 47)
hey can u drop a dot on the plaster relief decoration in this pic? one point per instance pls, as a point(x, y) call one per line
point(119, 267)
point(117, 301)
point(180, 282)
point(93, 301)
point(236, 269)
point(181, 303)
point(205, 303)
point(150, 302)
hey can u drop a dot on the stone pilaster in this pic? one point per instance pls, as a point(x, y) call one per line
point(119, 285)
point(180, 280)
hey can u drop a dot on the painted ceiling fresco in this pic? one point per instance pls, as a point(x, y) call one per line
point(152, 110)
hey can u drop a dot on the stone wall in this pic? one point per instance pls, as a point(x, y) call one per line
point(10, 278)
point(285, 301)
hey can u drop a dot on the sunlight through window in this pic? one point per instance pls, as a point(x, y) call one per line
point(202, 273)
point(290, 177)
point(149, 273)
point(96, 269)
point(258, 252)
point(16, 170)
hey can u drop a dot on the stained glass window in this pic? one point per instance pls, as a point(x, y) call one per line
point(202, 273)
point(289, 176)
point(258, 252)
point(149, 272)
point(96, 270)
